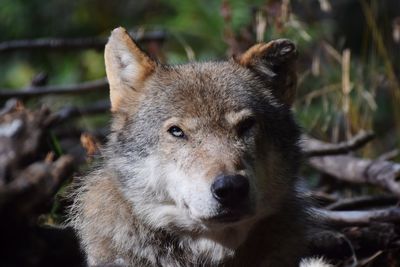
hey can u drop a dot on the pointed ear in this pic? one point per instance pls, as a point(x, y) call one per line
point(127, 67)
point(275, 62)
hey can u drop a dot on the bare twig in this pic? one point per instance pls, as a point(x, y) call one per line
point(71, 112)
point(361, 217)
point(73, 43)
point(33, 91)
point(322, 197)
point(389, 155)
point(363, 202)
point(332, 52)
point(369, 259)
point(9, 105)
point(313, 147)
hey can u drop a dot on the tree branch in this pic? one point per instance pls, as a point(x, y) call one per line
point(363, 217)
point(70, 112)
point(313, 147)
point(363, 202)
point(74, 43)
point(35, 91)
point(384, 174)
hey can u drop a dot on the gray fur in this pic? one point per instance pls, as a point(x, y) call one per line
point(144, 204)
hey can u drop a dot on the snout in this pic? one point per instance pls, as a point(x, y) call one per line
point(230, 191)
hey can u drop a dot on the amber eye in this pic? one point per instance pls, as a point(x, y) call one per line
point(176, 132)
point(245, 126)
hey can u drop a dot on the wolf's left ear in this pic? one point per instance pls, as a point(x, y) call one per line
point(127, 68)
point(275, 62)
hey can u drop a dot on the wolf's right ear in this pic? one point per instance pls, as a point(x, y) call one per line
point(274, 62)
point(127, 67)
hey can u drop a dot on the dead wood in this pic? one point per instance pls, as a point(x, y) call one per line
point(313, 147)
point(357, 245)
point(70, 112)
point(27, 175)
point(376, 235)
point(21, 134)
point(35, 184)
point(74, 43)
point(389, 155)
point(361, 217)
point(332, 245)
point(380, 172)
point(384, 174)
point(363, 202)
point(323, 199)
point(35, 91)
point(30, 179)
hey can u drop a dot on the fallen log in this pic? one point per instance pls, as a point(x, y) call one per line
point(384, 174)
point(380, 172)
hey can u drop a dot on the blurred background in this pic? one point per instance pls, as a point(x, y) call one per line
point(349, 50)
point(349, 69)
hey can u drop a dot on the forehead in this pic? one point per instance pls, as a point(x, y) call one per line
point(200, 89)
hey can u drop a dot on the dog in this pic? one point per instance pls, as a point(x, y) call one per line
point(200, 166)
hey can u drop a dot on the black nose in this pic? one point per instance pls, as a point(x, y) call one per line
point(230, 190)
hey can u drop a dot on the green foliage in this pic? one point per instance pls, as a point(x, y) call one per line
point(55, 144)
point(17, 74)
point(198, 30)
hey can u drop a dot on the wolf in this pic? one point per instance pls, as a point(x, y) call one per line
point(201, 163)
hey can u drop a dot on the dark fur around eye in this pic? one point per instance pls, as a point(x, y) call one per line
point(245, 126)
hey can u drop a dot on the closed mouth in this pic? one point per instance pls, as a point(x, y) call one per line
point(228, 217)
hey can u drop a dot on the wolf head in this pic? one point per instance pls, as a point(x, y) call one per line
point(203, 146)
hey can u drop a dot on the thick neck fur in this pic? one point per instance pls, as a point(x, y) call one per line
point(111, 232)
